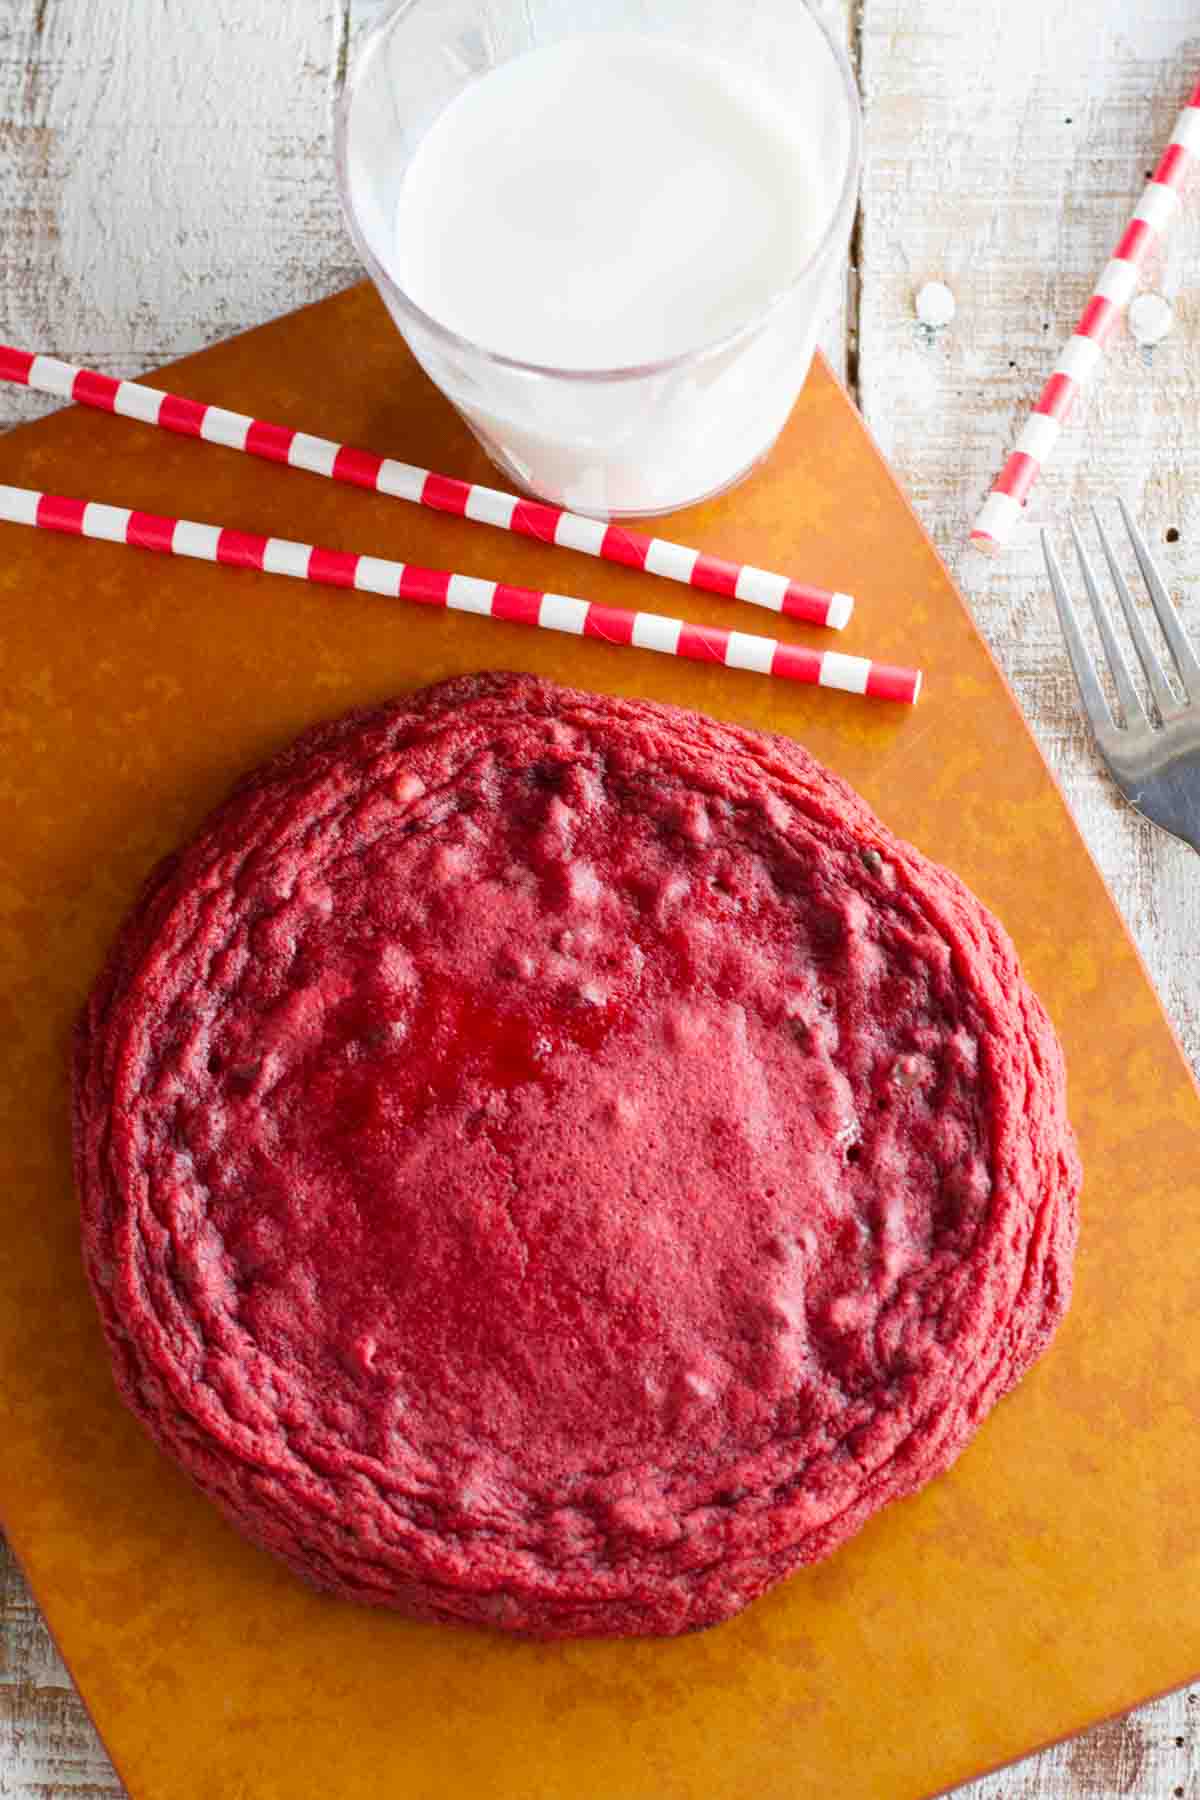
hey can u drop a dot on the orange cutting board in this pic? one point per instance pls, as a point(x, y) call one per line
point(1051, 1577)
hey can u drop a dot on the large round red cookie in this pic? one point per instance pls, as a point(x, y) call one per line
point(559, 1162)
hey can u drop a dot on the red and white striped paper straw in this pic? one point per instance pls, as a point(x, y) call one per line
point(1084, 351)
point(404, 481)
point(460, 593)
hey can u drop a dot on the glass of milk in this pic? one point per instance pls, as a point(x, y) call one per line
point(608, 229)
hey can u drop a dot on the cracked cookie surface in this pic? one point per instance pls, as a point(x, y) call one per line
point(558, 1162)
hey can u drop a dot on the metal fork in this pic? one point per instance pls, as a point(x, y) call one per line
point(1155, 761)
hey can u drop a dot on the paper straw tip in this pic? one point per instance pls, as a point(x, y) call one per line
point(995, 522)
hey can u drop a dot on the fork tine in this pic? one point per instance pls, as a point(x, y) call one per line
point(1164, 699)
point(1127, 694)
point(1092, 694)
point(1168, 618)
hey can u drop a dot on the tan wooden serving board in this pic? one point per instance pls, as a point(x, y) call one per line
point(1051, 1577)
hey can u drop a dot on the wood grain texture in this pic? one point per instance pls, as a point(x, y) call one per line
point(165, 176)
point(165, 179)
point(1007, 147)
point(47, 1745)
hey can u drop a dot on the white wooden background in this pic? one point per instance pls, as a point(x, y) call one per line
point(165, 180)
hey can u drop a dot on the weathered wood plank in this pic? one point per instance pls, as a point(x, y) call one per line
point(1007, 148)
point(1148, 1756)
point(48, 1748)
point(165, 176)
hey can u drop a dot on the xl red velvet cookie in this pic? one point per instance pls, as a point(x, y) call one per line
point(559, 1162)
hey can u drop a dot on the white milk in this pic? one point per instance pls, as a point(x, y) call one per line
point(609, 200)
point(601, 203)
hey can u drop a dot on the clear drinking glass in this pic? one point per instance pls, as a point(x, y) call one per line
point(614, 442)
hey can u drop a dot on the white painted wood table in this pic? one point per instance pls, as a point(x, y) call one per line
point(165, 180)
